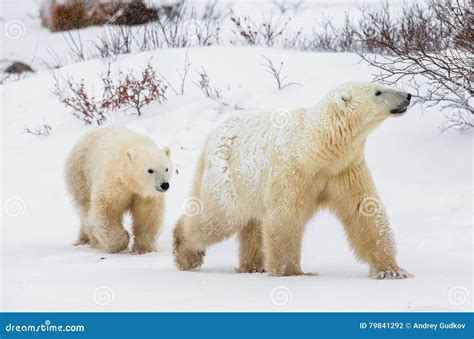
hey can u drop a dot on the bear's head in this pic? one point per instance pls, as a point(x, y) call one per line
point(149, 169)
point(363, 106)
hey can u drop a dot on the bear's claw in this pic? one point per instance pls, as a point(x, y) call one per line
point(391, 274)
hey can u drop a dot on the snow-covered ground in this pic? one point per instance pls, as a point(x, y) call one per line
point(424, 179)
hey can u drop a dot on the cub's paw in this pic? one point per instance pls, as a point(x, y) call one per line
point(397, 273)
point(117, 243)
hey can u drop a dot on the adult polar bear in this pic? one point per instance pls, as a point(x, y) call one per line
point(264, 177)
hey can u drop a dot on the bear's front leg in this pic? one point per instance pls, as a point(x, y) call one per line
point(105, 226)
point(352, 196)
point(147, 214)
point(251, 249)
point(282, 237)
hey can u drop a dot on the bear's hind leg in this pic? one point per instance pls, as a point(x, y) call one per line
point(251, 249)
point(193, 234)
point(186, 257)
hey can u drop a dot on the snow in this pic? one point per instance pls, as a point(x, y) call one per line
point(423, 177)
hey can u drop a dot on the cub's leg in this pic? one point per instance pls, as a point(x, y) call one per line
point(251, 248)
point(352, 196)
point(105, 224)
point(147, 216)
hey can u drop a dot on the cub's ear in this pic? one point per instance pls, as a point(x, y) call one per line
point(130, 155)
point(167, 151)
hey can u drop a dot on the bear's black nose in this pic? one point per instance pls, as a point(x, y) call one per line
point(408, 97)
point(164, 186)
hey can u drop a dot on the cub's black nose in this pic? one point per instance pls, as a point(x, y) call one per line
point(164, 186)
point(408, 97)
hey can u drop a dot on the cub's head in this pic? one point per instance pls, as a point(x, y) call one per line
point(149, 169)
point(366, 105)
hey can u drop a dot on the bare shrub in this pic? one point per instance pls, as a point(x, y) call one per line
point(281, 81)
point(182, 26)
point(127, 92)
point(84, 105)
point(206, 27)
point(182, 73)
point(169, 30)
point(135, 93)
point(75, 46)
point(271, 31)
point(43, 130)
point(286, 6)
point(329, 38)
point(431, 51)
point(204, 84)
point(115, 40)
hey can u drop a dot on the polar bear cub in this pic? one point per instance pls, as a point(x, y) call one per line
point(264, 179)
point(112, 171)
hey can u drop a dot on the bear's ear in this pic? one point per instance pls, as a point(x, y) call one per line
point(130, 155)
point(167, 151)
point(346, 98)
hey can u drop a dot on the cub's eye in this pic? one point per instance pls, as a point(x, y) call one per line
point(166, 170)
point(378, 93)
point(150, 171)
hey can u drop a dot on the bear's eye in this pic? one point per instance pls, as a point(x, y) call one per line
point(378, 93)
point(150, 171)
point(166, 170)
